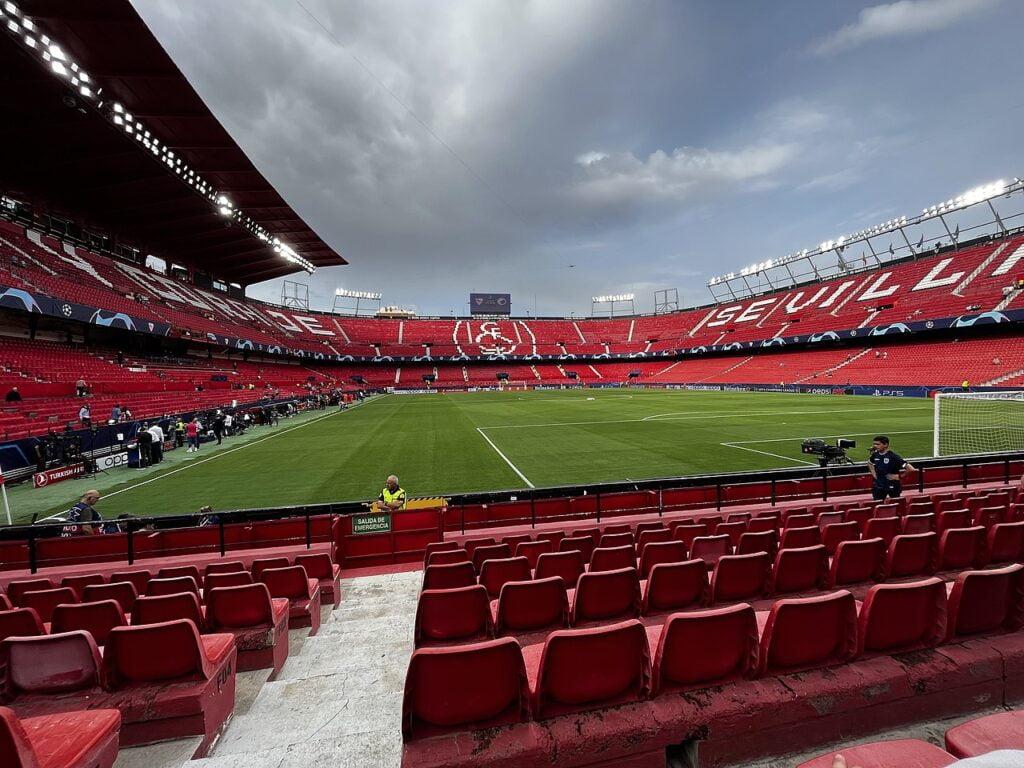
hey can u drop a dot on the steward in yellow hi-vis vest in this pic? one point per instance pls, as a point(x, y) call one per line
point(392, 497)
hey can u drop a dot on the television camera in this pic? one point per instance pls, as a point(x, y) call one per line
point(829, 455)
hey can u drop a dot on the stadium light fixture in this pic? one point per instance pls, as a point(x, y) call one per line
point(613, 297)
point(368, 295)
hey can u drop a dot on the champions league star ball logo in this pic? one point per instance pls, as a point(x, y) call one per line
point(491, 340)
point(66, 310)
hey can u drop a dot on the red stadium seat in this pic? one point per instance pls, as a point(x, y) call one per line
point(612, 558)
point(530, 606)
point(896, 618)
point(739, 577)
point(302, 593)
point(490, 552)
point(809, 632)
point(710, 548)
point(835, 534)
point(180, 684)
point(733, 531)
point(887, 510)
point(763, 523)
point(738, 517)
point(1005, 542)
point(760, 541)
point(447, 557)
point(532, 550)
point(954, 518)
point(610, 540)
point(438, 546)
point(495, 573)
point(582, 544)
point(798, 538)
point(78, 583)
point(553, 536)
point(483, 685)
point(799, 570)
point(593, 532)
point(651, 536)
point(830, 518)
point(20, 622)
point(655, 526)
point(988, 516)
point(158, 587)
point(156, 609)
point(660, 552)
point(516, 540)
point(922, 523)
point(43, 601)
point(178, 571)
point(605, 595)
point(584, 669)
point(986, 601)
point(42, 742)
point(912, 555)
point(319, 566)
point(258, 622)
point(471, 545)
point(265, 564)
point(446, 615)
point(858, 561)
point(887, 754)
point(16, 589)
point(885, 528)
point(961, 548)
point(616, 529)
point(687, 533)
point(228, 566)
point(95, 618)
point(671, 586)
point(449, 576)
point(233, 579)
point(568, 565)
point(138, 579)
point(1003, 730)
point(799, 521)
point(705, 648)
point(858, 515)
point(5, 603)
point(49, 664)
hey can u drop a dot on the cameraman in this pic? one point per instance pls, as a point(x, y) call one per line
point(886, 468)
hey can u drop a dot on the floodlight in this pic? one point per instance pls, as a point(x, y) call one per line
point(11, 8)
point(57, 67)
point(224, 210)
point(30, 41)
point(56, 52)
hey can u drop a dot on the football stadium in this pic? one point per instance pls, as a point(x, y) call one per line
point(776, 521)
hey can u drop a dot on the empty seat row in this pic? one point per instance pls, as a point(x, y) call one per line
point(43, 742)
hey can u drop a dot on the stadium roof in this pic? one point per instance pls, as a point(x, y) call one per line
point(58, 149)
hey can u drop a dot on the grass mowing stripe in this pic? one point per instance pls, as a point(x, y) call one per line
point(515, 469)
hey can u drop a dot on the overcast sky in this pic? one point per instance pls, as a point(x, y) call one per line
point(559, 149)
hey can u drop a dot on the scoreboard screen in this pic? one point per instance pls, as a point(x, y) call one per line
point(490, 304)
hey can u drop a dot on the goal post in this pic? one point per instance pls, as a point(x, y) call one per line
point(514, 384)
point(978, 422)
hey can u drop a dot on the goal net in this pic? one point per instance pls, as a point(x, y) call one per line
point(978, 422)
point(513, 384)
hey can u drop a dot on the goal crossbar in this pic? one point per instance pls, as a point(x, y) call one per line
point(978, 422)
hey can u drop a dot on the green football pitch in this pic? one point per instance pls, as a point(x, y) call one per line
point(476, 441)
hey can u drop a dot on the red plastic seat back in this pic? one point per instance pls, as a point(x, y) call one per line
point(448, 556)
point(79, 583)
point(449, 576)
point(705, 648)
point(154, 653)
point(471, 545)
point(568, 565)
point(738, 577)
point(830, 518)
point(799, 521)
point(50, 664)
point(660, 552)
point(912, 554)
point(265, 564)
point(798, 538)
point(532, 550)
point(799, 570)
point(233, 579)
point(763, 523)
point(158, 587)
point(122, 592)
point(650, 536)
point(15, 748)
point(885, 528)
point(609, 540)
point(603, 595)
point(1005, 542)
point(467, 686)
point(687, 533)
point(515, 540)
point(612, 558)
point(16, 589)
point(290, 582)
point(453, 614)
point(616, 529)
point(887, 754)
point(44, 601)
point(238, 607)
point(710, 548)
point(582, 544)
point(954, 518)
point(895, 618)
point(858, 561)
point(961, 548)
point(986, 601)
point(671, 586)
point(95, 618)
point(642, 528)
point(803, 633)
point(156, 609)
point(138, 579)
point(733, 531)
point(835, 534)
point(177, 571)
point(229, 566)
point(20, 622)
point(529, 606)
point(496, 573)
point(586, 668)
point(920, 523)
point(491, 552)
point(760, 541)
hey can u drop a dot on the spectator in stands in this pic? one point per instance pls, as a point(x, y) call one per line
point(120, 357)
point(13, 396)
point(85, 415)
point(145, 438)
point(82, 518)
point(392, 497)
point(115, 414)
point(126, 414)
point(887, 469)
point(192, 432)
point(208, 517)
point(156, 450)
point(81, 387)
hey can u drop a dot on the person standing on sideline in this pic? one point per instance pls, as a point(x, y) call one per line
point(192, 433)
point(83, 519)
point(887, 469)
point(392, 497)
point(156, 450)
point(85, 416)
point(218, 427)
point(179, 433)
point(145, 439)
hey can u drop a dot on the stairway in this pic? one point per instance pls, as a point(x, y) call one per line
point(835, 368)
point(583, 338)
point(959, 290)
point(596, 372)
point(536, 372)
point(871, 316)
point(465, 374)
point(1007, 300)
point(1005, 377)
point(727, 370)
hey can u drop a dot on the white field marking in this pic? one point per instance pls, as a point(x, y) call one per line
point(737, 443)
point(683, 416)
point(233, 450)
point(768, 453)
point(515, 469)
point(575, 400)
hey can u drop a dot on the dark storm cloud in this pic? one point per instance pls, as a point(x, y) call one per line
point(562, 149)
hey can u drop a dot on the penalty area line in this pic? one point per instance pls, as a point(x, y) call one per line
point(515, 469)
point(769, 453)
